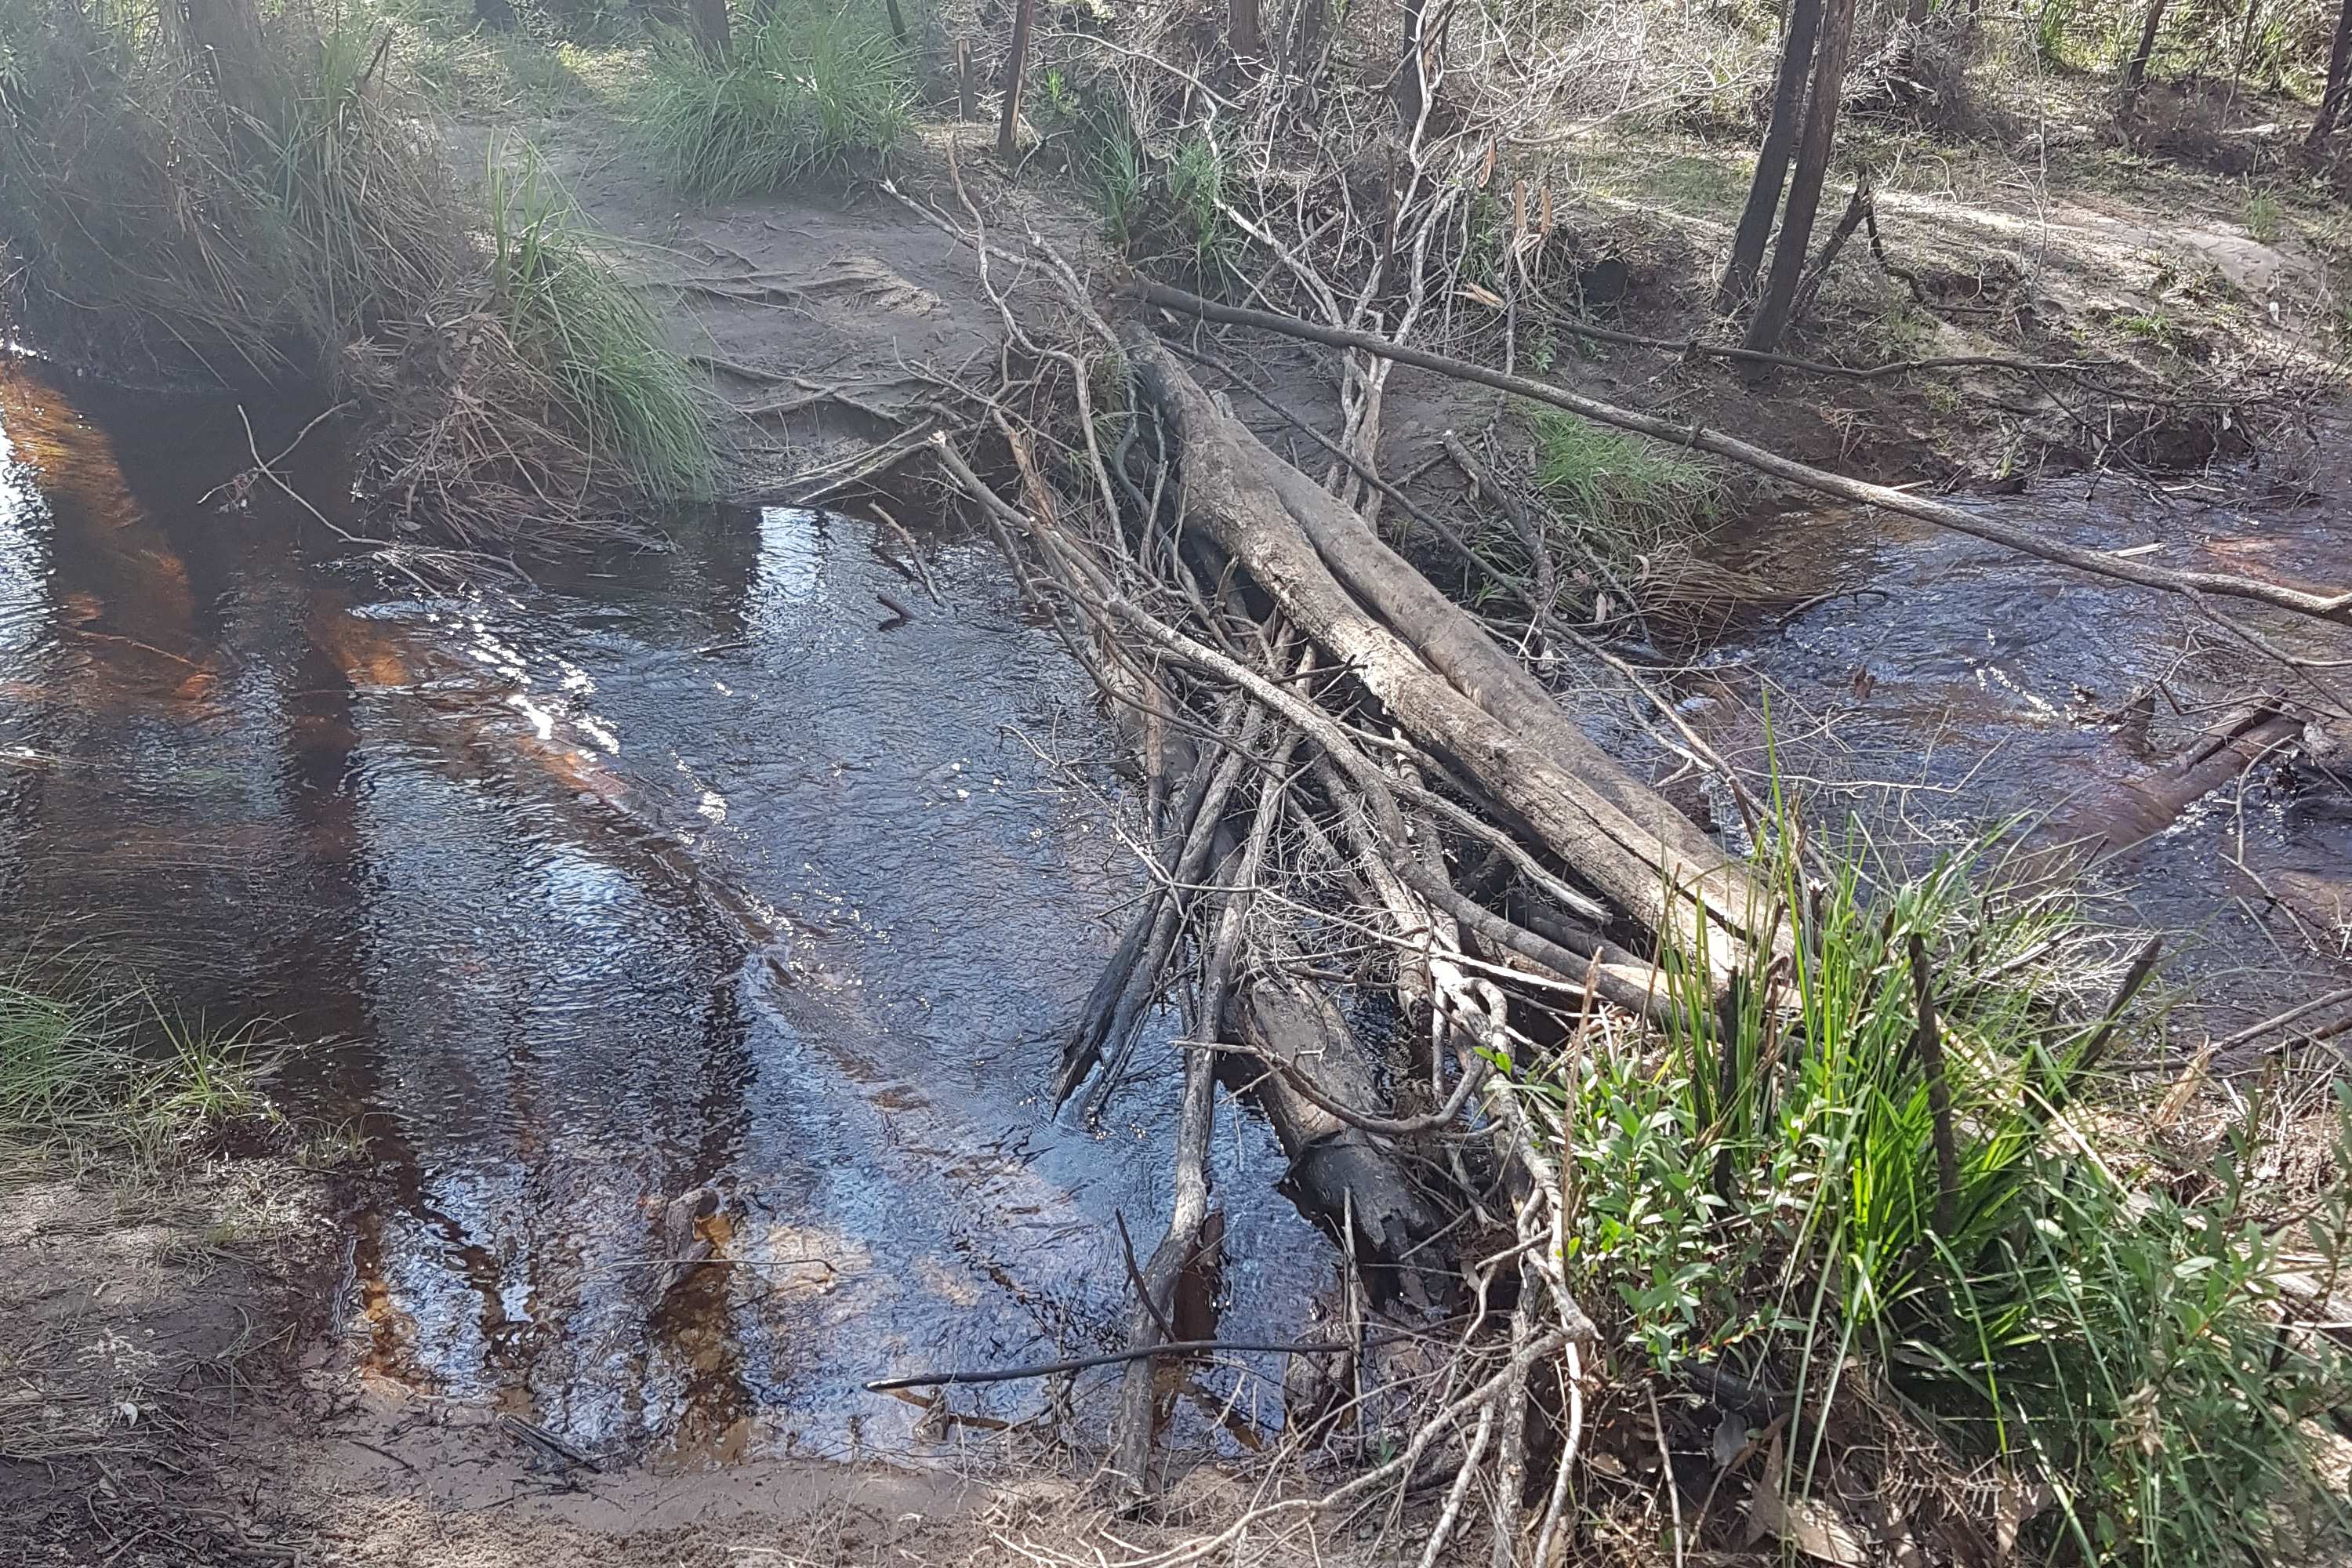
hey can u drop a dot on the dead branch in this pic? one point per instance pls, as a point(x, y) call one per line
point(2328, 605)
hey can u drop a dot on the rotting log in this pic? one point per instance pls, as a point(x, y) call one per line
point(1450, 686)
point(1336, 1170)
point(2110, 820)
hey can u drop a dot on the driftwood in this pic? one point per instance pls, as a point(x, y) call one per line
point(1447, 682)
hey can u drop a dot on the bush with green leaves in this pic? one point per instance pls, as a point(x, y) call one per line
point(809, 91)
point(1802, 1188)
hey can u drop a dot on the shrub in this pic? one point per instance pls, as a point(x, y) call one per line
point(1766, 1193)
point(809, 91)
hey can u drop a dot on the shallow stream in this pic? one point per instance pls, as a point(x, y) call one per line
point(707, 870)
point(697, 870)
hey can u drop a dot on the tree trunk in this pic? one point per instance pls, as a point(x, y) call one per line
point(1242, 29)
point(1814, 145)
point(1772, 161)
point(2339, 77)
point(2136, 68)
point(226, 36)
point(1015, 66)
point(1413, 71)
point(706, 20)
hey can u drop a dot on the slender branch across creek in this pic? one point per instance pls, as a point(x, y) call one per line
point(2328, 605)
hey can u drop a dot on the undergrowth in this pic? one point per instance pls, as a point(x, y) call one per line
point(294, 224)
point(810, 89)
point(1906, 1233)
point(101, 1073)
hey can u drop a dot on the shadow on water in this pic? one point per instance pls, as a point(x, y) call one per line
point(684, 873)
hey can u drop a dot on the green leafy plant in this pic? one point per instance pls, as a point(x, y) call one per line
point(1804, 1185)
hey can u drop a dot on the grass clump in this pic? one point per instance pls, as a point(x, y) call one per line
point(1626, 487)
point(289, 222)
point(809, 91)
point(102, 1073)
point(562, 305)
point(1908, 1235)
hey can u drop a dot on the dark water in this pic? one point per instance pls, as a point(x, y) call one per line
point(1935, 686)
point(695, 870)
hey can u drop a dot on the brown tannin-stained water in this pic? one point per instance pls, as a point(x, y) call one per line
point(1939, 686)
point(687, 872)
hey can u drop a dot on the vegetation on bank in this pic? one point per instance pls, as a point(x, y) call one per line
point(810, 88)
point(258, 200)
point(1891, 1188)
point(82, 1069)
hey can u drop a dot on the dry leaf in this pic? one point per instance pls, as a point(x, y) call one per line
point(1487, 296)
point(1812, 1528)
point(2018, 1502)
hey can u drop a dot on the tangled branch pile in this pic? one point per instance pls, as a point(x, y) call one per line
point(205, 190)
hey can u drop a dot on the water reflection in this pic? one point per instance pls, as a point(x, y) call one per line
point(692, 950)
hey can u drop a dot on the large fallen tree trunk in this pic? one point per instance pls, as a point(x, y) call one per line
point(1445, 682)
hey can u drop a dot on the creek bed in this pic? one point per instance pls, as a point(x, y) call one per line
point(697, 870)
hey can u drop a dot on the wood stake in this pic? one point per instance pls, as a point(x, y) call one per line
point(1014, 69)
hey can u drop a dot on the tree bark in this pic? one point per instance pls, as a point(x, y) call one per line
point(2339, 78)
point(2136, 67)
point(705, 21)
point(1772, 159)
point(226, 36)
point(1814, 146)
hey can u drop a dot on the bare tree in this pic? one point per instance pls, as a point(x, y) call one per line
point(1772, 159)
point(1814, 144)
point(2339, 78)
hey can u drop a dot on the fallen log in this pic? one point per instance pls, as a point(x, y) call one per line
point(1451, 686)
point(2323, 604)
point(1336, 1169)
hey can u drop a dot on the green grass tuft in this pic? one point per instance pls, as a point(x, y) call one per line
point(565, 308)
point(1619, 486)
point(117, 1073)
point(811, 90)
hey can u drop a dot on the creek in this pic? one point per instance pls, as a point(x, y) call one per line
point(695, 871)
